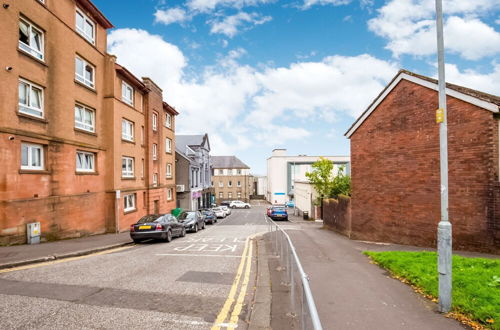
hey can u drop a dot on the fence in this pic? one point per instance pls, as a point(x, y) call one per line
point(301, 298)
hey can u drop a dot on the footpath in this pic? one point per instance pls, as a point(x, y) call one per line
point(349, 291)
point(18, 255)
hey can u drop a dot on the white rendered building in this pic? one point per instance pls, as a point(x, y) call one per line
point(283, 170)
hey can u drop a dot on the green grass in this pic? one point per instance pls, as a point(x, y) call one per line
point(476, 281)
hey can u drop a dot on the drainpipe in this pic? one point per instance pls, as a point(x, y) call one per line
point(117, 211)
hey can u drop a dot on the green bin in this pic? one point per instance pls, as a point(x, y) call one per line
point(176, 212)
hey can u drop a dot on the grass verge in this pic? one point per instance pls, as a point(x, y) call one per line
point(476, 281)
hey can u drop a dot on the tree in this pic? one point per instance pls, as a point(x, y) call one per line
point(321, 177)
point(326, 183)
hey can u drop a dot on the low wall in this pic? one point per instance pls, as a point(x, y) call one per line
point(337, 215)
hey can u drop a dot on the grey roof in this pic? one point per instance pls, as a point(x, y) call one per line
point(227, 162)
point(181, 141)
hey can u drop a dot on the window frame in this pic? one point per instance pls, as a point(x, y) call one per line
point(168, 145)
point(124, 98)
point(230, 183)
point(85, 170)
point(28, 49)
point(221, 184)
point(168, 120)
point(221, 194)
point(168, 173)
point(155, 151)
point(154, 120)
point(30, 146)
point(155, 179)
point(128, 173)
point(82, 79)
point(83, 125)
point(229, 195)
point(29, 107)
point(131, 125)
point(170, 194)
point(81, 31)
point(129, 202)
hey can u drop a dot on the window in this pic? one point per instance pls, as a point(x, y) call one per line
point(169, 170)
point(31, 156)
point(169, 194)
point(238, 172)
point(127, 167)
point(129, 202)
point(84, 72)
point(30, 39)
point(142, 168)
point(127, 93)
point(238, 184)
point(168, 145)
point(221, 195)
point(168, 120)
point(239, 194)
point(155, 121)
point(229, 195)
point(155, 179)
point(155, 151)
point(30, 98)
point(127, 130)
point(42, 1)
point(142, 135)
point(230, 183)
point(85, 161)
point(221, 184)
point(85, 26)
point(221, 172)
point(84, 118)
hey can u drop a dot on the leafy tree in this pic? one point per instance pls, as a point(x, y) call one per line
point(324, 181)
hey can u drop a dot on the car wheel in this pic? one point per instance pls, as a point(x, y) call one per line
point(203, 225)
point(195, 228)
point(233, 207)
point(168, 238)
point(183, 232)
point(136, 241)
point(247, 207)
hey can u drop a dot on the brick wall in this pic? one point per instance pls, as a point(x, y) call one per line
point(337, 214)
point(395, 171)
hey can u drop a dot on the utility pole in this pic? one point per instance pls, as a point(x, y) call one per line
point(444, 227)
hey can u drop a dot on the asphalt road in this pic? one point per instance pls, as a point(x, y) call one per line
point(201, 281)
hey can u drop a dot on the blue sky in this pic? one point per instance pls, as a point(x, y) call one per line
point(261, 74)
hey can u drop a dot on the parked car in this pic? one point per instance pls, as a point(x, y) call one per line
point(226, 209)
point(268, 211)
point(157, 226)
point(225, 203)
point(239, 205)
point(192, 220)
point(209, 216)
point(219, 212)
point(278, 213)
point(290, 204)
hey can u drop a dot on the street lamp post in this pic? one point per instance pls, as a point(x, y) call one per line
point(444, 227)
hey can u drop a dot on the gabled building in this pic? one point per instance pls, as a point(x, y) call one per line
point(395, 166)
point(193, 173)
point(231, 179)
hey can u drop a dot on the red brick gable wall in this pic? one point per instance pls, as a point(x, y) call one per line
point(395, 171)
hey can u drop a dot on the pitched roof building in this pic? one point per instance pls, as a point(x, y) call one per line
point(231, 179)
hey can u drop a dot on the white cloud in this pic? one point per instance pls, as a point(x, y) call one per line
point(309, 3)
point(241, 106)
point(488, 83)
point(230, 25)
point(171, 15)
point(409, 27)
point(210, 5)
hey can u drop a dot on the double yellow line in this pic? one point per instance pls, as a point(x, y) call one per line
point(243, 272)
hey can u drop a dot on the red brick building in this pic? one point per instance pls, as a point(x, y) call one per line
point(395, 166)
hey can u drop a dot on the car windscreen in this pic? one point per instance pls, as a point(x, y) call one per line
point(149, 218)
point(187, 215)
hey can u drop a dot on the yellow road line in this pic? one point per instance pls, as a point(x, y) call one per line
point(230, 299)
point(47, 263)
point(241, 297)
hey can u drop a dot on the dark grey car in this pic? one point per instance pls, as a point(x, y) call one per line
point(192, 220)
point(157, 226)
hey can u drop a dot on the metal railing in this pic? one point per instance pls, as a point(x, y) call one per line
point(301, 298)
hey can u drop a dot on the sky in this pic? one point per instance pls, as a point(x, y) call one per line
point(263, 74)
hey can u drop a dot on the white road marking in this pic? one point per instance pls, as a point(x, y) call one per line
point(207, 247)
point(199, 255)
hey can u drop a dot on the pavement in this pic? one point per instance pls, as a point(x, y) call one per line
point(18, 255)
point(349, 291)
